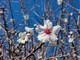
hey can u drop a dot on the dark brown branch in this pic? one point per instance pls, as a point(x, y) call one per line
point(35, 50)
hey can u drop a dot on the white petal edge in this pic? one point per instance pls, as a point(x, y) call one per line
point(56, 29)
point(48, 24)
point(53, 38)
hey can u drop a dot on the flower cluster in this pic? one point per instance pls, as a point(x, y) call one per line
point(46, 32)
point(24, 36)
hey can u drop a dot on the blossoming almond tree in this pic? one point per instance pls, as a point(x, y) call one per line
point(39, 30)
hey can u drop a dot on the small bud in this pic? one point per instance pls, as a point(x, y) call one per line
point(12, 20)
point(71, 32)
point(26, 17)
point(71, 13)
point(1, 12)
point(59, 2)
point(65, 20)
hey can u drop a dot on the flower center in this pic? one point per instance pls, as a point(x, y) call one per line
point(22, 37)
point(47, 31)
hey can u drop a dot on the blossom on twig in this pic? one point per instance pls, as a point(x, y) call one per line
point(47, 32)
point(23, 38)
point(59, 2)
point(29, 31)
point(25, 35)
point(26, 17)
point(71, 37)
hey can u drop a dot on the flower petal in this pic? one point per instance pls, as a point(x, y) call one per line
point(71, 40)
point(21, 41)
point(46, 38)
point(53, 38)
point(48, 24)
point(22, 33)
point(40, 28)
point(43, 37)
point(59, 2)
point(26, 38)
point(29, 29)
point(56, 29)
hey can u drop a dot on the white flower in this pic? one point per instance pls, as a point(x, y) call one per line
point(0, 27)
point(11, 20)
point(26, 17)
point(65, 20)
point(35, 24)
point(59, 2)
point(71, 13)
point(1, 12)
point(71, 32)
point(47, 32)
point(78, 57)
point(40, 56)
point(56, 58)
point(71, 38)
point(29, 31)
point(22, 38)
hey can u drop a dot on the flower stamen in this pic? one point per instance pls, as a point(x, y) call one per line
point(47, 31)
point(22, 37)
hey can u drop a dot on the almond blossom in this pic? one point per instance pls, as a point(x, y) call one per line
point(22, 38)
point(65, 20)
point(47, 32)
point(71, 37)
point(26, 17)
point(59, 2)
point(29, 31)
